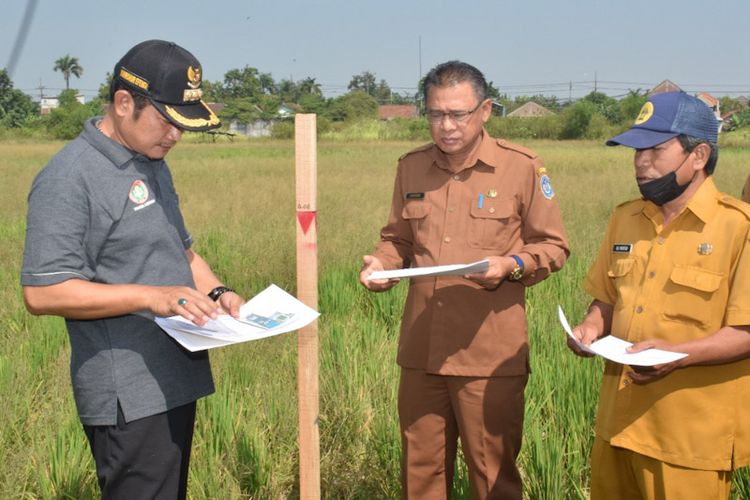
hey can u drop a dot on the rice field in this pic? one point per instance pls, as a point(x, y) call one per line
point(238, 201)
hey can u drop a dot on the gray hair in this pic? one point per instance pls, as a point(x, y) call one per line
point(452, 73)
point(689, 143)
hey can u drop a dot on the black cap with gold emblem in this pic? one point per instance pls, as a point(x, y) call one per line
point(170, 77)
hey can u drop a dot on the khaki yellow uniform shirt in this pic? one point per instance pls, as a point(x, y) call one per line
point(452, 326)
point(679, 283)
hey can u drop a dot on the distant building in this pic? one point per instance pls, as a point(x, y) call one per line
point(530, 110)
point(665, 86)
point(498, 109)
point(711, 102)
point(391, 111)
point(258, 128)
point(47, 104)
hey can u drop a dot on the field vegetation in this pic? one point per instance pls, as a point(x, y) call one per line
point(238, 201)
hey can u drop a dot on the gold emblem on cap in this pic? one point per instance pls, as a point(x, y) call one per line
point(646, 111)
point(190, 95)
point(491, 193)
point(705, 248)
point(194, 77)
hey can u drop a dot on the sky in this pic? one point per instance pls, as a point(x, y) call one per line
point(525, 47)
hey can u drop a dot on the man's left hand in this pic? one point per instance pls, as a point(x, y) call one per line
point(500, 268)
point(230, 302)
point(646, 374)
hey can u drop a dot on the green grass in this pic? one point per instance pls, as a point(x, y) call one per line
point(238, 200)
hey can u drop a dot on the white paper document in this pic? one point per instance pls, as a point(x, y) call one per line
point(480, 266)
point(614, 349)
point(271, 312)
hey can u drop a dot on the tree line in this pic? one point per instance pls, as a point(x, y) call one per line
point(248, 94)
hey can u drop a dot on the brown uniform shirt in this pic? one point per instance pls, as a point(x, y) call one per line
point(679, 283)
point(452, 326)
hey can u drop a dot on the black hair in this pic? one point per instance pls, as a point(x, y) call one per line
point(689, 143)
point(453, 73)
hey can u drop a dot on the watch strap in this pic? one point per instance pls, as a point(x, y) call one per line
point(218, 292)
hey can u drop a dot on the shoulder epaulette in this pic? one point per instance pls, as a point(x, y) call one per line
point(424, 147)
point(735, 203)
point(517, 148)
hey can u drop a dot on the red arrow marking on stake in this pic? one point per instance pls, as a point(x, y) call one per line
point(305, 219)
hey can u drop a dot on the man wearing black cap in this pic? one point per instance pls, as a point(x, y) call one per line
point(673, 273)
point(107, 249)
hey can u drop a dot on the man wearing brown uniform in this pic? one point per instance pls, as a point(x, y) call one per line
point(463, 349)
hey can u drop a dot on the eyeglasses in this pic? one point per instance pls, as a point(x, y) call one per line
point(435, 117)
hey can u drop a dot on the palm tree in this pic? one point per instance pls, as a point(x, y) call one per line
point(310, 86)
point(69, 66)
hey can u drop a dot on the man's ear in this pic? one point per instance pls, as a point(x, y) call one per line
point(702, 153)
point(486, 109)
point(123, 103)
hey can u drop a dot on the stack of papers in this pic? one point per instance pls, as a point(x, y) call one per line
point(479, 266)
point(615, 349)
point(271, 312)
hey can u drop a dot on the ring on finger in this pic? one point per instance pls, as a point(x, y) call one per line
point(182, 301)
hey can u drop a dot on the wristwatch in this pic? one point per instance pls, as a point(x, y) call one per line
point(517, 272)
point(218, 292)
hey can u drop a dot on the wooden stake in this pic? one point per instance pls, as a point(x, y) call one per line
point(307, 291)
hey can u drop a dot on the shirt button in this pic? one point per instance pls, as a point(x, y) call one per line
point(440, 303)
point(492, 210)
point(660, 240)
point(451, 209)
point(626, 382)
point(447, 239)
point(651, 274)
point(456, 177)
point(639, 309)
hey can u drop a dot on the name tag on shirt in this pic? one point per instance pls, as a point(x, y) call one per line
point(622, 247)
point(415, 196)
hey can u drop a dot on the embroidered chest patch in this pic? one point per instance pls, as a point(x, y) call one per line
point(138, 192)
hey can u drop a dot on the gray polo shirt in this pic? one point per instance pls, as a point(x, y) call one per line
point(100, 212)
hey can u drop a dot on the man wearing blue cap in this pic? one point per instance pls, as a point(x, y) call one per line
point(672, 273)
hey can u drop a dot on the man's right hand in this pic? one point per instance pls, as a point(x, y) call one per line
point(184, 301)
point(372, 264)
point(585, 334)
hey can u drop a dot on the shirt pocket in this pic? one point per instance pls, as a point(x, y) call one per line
point(416, 213)
point(689, 294)
point(622, 276)
point(494, 226)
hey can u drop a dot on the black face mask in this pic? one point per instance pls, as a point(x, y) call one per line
point(665, 188)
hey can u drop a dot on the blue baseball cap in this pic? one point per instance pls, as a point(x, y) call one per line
point(668, 115)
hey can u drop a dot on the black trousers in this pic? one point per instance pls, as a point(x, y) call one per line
point(146, 458)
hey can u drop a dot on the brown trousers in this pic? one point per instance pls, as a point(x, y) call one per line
point(486, 412)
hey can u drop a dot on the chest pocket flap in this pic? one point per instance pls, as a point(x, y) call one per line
point(493, 209)
point(620, 268)
point(700, 279)
point(415, 210)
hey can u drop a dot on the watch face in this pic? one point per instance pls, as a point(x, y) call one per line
point(516, 274)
